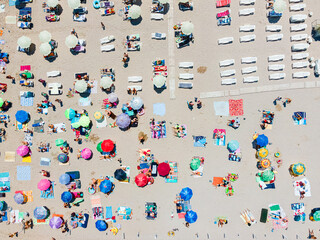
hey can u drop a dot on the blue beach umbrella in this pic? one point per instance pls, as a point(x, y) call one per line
point(66, 197)
point(64, 179)
point(101, 225)
point(186, 193)
point(105, 186)
point(191, 216)
point(19, 198)
point(40, 213)
point(22, 116)
point(63, 158)
point(262, 140)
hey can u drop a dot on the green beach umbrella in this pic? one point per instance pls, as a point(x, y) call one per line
point(75, 125)
point(195, 164)
point(70, 113)
point(267, 175)
point(84, 121)
point(316, 216)
point(99, 149)
point(59, 142)
point(1, 102)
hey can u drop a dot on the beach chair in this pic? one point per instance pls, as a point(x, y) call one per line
point(297, 7)
point(247, 28)
point(107, 48)
point(158, 36)
point(226, 63)
point(246, 11)
point(228, 73)
point(223, 14)
point(223, 3)
point(185, 64)
point(249, 70)
point(107, 39)
point(300, 74)
point(274, 37)
point(299, 47)
point(302, 64)
point(106, 11)
point(251, 79)
point(224, 21)
point(54, 88)
point(298, 27)
point(275, 58)
point(295, 1)
point(156, 16)
point(186, 76)
point(277, 76)
point(78, 49)
point(298, 37)
point(298, 18)
point(137, 87)
point(276, 67)
point(106, 4)
point(184, 43)
point(299, 56)
point(264, 215)
point(225, 40)
point(135, 79)
point(53, 74)
point(183, 7)
point(248, 60)
point(247, 2)
point(134, 47)
point(228, 81)
point(186, 85)
point(273, 28)
point(80, 18)
point(247, 38)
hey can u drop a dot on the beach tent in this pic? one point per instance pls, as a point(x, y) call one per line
point(191, 216)
point(105, 186)
point(186, 194)
point(66, 197)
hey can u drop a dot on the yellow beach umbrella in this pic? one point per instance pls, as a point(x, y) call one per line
point(98, 115)
point(263, 152)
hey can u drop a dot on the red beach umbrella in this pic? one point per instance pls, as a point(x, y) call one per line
point(107, 145)
point(163, 169)
point(141, 180)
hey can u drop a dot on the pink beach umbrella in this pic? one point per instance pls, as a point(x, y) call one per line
point(44, 184)
point(22, 150)
point(86, 153)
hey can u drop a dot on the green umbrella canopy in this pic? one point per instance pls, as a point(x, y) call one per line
point(267, 175)
point(59, 142)
point(99, 149)
point(1, 102)
point(75, 124)
point(316, 215)
point(70, 113)
point(195, 164)
point(84, 121)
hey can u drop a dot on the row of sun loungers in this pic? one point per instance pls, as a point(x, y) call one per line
point(186, 76)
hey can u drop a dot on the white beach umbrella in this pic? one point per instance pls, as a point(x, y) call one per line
point(164, 1)
point(24, 42)
point(45, 36)
point(184, 1)
point(74, 3)
point(52, 3)
point(279, 6)
point(106, 82)
point(81, 86)
point(187, 28)
point(71, 41)
point(134, 12)
point(159, 81)
point(45, 49)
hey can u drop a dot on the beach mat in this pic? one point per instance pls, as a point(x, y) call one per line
point(10, 156)
point(5, 181)
point(221, 108)
point(23, 173)
point(219, 137)
point(40, 221)
point(26, 159)
point(217, 180)
point(199, 141)
point(298, 115)
point(159, 109)
point(173, 176)
point(236, 107)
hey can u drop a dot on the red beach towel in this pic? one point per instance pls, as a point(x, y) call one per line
point(236, 107)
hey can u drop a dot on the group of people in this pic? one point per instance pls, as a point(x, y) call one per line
point(196, 101)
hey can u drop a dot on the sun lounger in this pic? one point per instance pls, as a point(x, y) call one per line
point(247, 28)
point(24, 25)
point(79, 18)
point(228, 81)
point(223, 14)
point(298, 27)
point(228, 73)
point(224, 21)
point(182, 7)
point(295, 1)
point(277, 76)
point(298, 18)
point(223, 3)
point(276, 67)
point(53, 74)
point(249, 70)
point(137, 87)
point(248, 60)
point(186, 76)
point(107, 39)
point(302, 64)
point(156, 16)
point(246, 11)
point(273, 28)
point(247, 38)
point(226, 63)
point(225, 40)
point(250, 79)
point(299, 56)
point(297, 7)
point(158, 36)
point(135, 79)
point(275, 58)
point(185, 64)
point(247, 2)
point(299, 47)
point(107, 48)
point(299, 37)
point(187, 85)
point(300, 74)
point(274, 37)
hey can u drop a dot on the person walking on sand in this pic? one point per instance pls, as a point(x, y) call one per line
point(103, 26)
point(190, 105)
point(311, 235)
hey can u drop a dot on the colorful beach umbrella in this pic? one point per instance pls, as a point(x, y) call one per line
point(86, 153)
point(101, 225)
point(66, 197)
point(23, 150)
point(141, 180)
point(279, 6)
point(75, 125)
point(134, 12)
point(186, 193)
point(64, 179)
point(106, 82)
point(263, 152)
point(71, 41)
point(107, 145)
point(74, 4)
point(45, 49)
point(98, 115)
point(164, 169)
point(233, 145)
point(45, 36)
point(59, 142)
point(267, 175)
point(136, 103)
point(298, 169)
point(1, 102)
point(24, 42)
point(55, 222)
point(187, 28)
point(63, 158)
point(123, 120)
point(105, 186)
point(19, 198)
point(159, 81)
point(22, 116)
point(112, 97)
point(316, 215)
point(84, 121)
point(191, 216)
point(70, 113)
point(52, 3)
point(262, 140)
point(120, 175)
point(265, 163)
point(81, 86)
point(40, 213)
point(99, 149)
point(195, 164)
point(44, 184)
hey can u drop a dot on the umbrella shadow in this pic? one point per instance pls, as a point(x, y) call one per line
point(159, 90)
point(20, 5)
point(137, 21)
point(32, 49)
point(138, 2)
point(59, 10)
point(273, 19)
point(166, 8)
point(85, 94)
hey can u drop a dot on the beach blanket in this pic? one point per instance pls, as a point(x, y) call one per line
point(26, 159)
point(23, 173)
point(28, 136)
point(158, 130)
point(2, 8)
point(40, 221)
point(219, 137)
point(10, 156)
point(108, 213)
point(5, 182)
point(49, 193)
point(84, 102)
point(246, 214)
point(300, 118)
point(173, 175)
point(221, 108)
point(38, 126)
point(235, 157)
point(26, 98)
point(45, 162)
point(217, 181)
point(11, 19)
point(299, 187)
point(12, 2)
point(96, 207)
point(159, 109)
point(180, 130)
point(199, 141)
point(25, 68)
point(28, 194)
point(124, 212)
point(21, 127)
point(236, 107)
point(298, 212)
point(268, 115)
point(16, 216)
point(127, 171)
point(61, 127)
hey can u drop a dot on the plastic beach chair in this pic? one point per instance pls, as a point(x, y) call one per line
point(299, 37)
point(158, 36)
point(135, 79)
point(276, 67)
point(185, 64)
point(186, 76)
point(298, 27)
point(247, 28)
point(53, 74)
point(246, 11)
point(249, 70)
point(107, 48)
point(298, 18)
point(223, 3)
point(302, 64)
point(107, 39)
point(225, 40)
point(274, 37)
point(277, 76)
point(247, 38)
point(297, 7)
point(273, 28)
point(299, 56)
point(301, 74)
point(229, 81)
point(247, 2)
point(299, 47)
point(250, 79)
point(156, 16)
point(249, 60)
point(228, 73)
point(275, 58)
point(226, 63)
point(187, 85)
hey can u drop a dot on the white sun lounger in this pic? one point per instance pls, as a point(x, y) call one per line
point(226, 63)
point(299, 47)
point(107, 39)
point(187, 85)
point(246, 11)
point(249, 70)
point(299, 56)
point(276, 67)
point(225, 40)
point(248, 59)
point(137, 87)
point(300, 74)
point(295, 1)
point(299, 37)
point(298, 27)
point(297, 7)
point(156, 16)
point(247, 28)
point(53, 74)
point(228, 73)
point(273, 28)
point(247, 2)
point(274, 37)
point(185, 64)
point(302, 64)
point(158, 36)
point(277, 76)
point(298, 18)
point(247, 38)
point(228, 81)
point(275, 58)
point(135, 79)
point(250, 79)
point(186, 76)
point(107, 48)
point(54, 88)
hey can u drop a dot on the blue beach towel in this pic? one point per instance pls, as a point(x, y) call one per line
point(199, 141)
point(5, 181)
point(23, 173)
point(108, 213)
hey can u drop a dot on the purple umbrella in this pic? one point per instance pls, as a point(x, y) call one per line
point(123, 120)
point(86, 153)
point(22, 150)
point(19, 198)
point(55, 222)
